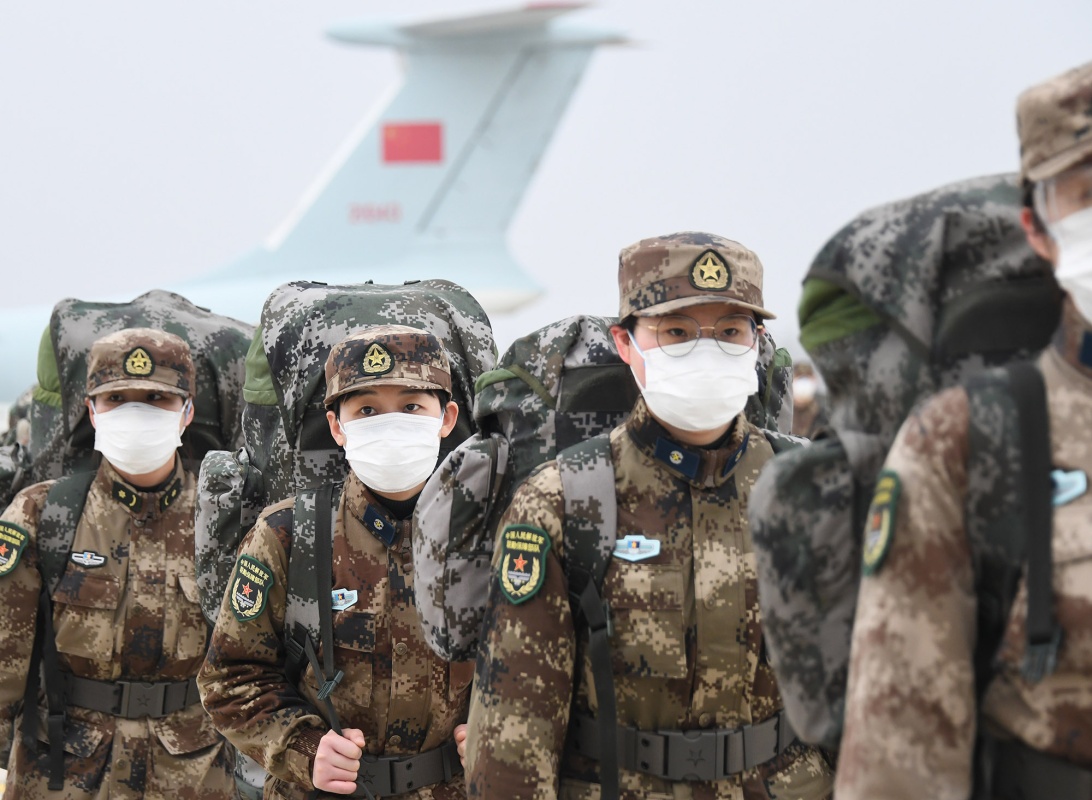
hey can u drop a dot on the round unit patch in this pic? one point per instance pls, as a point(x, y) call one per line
point(377, 360)
point(12, 541)
point(710, 272)
point(881, 522)
point(138, 363)
point(250, 588)
point(523, 561)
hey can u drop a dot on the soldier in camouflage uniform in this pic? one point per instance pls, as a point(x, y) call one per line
point(397, 701)
point(912, 710)
point(128, 626)
point(687, 636)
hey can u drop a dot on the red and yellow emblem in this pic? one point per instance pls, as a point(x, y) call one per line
point(523, 561)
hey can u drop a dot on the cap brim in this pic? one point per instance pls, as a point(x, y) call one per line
point(405, 383)
point(669, 306)
point(137, 383)
point(1061, 162)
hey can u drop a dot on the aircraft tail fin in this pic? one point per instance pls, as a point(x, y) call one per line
point(441, 168)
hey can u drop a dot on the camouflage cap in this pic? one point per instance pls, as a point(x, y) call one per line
point(387, 354)
point(1054, 120)
point(666, 273)
point(140, 358)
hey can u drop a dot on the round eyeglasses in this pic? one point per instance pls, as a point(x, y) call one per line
point(677, 334)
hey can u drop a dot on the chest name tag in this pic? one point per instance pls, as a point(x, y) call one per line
point(523, 561)
point(12, 541)
point(250, 589)
point(88, 558)
point(343, 598)
point(636, 548)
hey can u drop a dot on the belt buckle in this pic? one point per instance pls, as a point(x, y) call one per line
point(140, 699)
point(692, 755)
point(375, 774)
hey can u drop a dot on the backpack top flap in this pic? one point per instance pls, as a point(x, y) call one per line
point(302, 320)
point(218, 345)
point(911, 261)
point(555, 387)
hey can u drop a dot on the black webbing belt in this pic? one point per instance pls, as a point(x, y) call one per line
point(1021, 773)
point(697, 755)
point(131, 699)
point(389, 775)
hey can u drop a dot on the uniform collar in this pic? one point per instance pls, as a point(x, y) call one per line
point(367, 508)
point(141, 502)
point(1073, 339)
point(701, 466)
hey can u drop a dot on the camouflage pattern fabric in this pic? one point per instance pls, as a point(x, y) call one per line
point(687, 643)
point(553, 388)
point(125, 608)
point(140, 358)
point(665, 274)
point(395, 690)
point(909, 298)
point(911, 708)
point(387, 354)
point(63, 440)
point(1054, 119)
point(284, 418)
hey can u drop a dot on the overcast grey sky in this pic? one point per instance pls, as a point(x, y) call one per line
point(142, 141)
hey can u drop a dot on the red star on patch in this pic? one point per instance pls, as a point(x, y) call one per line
point(520, 562)
point(3, 549)
point(246, 590)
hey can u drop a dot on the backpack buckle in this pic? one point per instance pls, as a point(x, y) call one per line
point(610, 620)
point(1041, 658)
point(330, 684)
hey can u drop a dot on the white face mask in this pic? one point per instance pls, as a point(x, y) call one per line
point(392, 452)
point(699, 391)
point(804, 389)
point(137, 438)
point(1073, 235)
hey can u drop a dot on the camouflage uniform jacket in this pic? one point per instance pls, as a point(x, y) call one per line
point(910, 714)
point(687, 637)
point(395, 690)
point(133, 617)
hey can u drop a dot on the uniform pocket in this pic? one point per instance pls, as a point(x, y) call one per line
point(185, 732)
point(81, 738)
point(646, 606)
point(354, 643)
point(191, 630)
point(84, 614)
point(807, 777)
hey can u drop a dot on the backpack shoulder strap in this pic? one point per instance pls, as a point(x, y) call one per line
point(1009, 513)
point(590, 530)
point(308, 613)
point(61, 514)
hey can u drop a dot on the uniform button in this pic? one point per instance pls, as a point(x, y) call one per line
point(139, 523)
point(705, 720)
point(395, 740)
point(710, 602)
point(401, 648)
point(407, 567)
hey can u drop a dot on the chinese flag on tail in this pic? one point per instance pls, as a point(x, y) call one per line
point(413, 143)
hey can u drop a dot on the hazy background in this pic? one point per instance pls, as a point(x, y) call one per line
point(140, 142)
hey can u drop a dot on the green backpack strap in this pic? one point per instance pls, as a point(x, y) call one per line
point(590, 529)
point(60, 515)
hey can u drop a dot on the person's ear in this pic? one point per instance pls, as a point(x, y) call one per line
point(451, 416)
point(90, 403)
point(188, 417)
point(1039, 240)
point(335, 428)
point(622, 343)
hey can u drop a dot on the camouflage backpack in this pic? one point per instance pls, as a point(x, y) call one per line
point(907, 299)
point(62, 439)
point(557, 387)
point(288, 447)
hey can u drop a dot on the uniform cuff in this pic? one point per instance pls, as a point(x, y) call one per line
point(304, 746)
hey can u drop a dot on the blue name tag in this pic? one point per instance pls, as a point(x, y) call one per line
point(343, 598)
point(1068, 486)
point(636, 548)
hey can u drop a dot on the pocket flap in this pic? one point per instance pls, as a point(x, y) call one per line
point(354, 630)
point(81, 739)
point(88, 590)
point(187, 731)
point(188, 586)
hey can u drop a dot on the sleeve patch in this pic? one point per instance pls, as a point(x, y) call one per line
point(13, 540)
point(523, 561)
point(250, 588)
point(880, 528)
